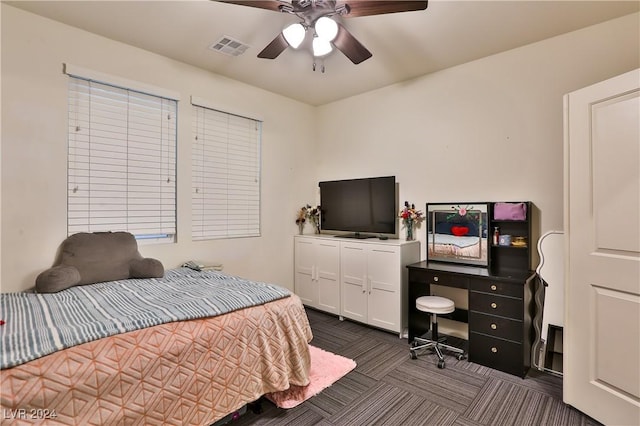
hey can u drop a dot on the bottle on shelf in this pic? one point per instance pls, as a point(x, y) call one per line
point(496, 236)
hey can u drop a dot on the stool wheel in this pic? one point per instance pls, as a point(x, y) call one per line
point(462, 356)
point(440, 363)
point(412, 355)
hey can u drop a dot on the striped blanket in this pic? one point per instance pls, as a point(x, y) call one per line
point(39, 324)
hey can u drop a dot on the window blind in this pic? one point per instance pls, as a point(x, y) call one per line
point(225, 175)
point(121, 161)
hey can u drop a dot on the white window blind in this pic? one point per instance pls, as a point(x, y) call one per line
point(121, 161)
point(225, 175)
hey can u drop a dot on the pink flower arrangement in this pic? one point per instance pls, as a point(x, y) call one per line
point(462, 212)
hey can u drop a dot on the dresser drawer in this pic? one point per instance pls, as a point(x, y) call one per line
point(496, 305)
point(497, 287)
point(496, 353)
point(495, 326)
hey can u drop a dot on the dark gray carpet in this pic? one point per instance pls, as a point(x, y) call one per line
point(388, 388)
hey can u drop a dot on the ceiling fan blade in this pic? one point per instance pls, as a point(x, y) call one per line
point(275, 48)
point(260, 4)
point(352, 48)
point(375, 7)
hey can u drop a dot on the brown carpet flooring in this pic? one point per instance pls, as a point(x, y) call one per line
point(388, 388)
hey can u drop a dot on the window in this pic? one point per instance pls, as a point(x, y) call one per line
point(225, 175)
point(121, 161)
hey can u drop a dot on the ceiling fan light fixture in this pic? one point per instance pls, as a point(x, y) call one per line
point(294, 35)
point(326, 28)
point(321, 47)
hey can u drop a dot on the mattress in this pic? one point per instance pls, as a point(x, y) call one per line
point(39, 324)
point(190, 372)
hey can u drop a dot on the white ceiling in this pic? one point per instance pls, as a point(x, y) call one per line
point(404, 45)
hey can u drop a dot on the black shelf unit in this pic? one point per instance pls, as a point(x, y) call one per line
point(553, 355)
point(510, 260)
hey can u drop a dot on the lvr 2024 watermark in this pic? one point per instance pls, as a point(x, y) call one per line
point(28, 414)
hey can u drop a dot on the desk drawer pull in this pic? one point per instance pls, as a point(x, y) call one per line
point(435, 278)
point(494, 350)
point(494, 327)
point(494, 305)
point(494, 287)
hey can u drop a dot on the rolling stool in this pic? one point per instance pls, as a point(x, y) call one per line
point(434, 305)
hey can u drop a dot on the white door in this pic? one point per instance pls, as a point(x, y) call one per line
point(305, 285)
point(384, 287)
point(327, 275)
point(353, 281)
point(602, 223)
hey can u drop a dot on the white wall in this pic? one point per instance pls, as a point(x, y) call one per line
point(34, 150)
point(486, 130)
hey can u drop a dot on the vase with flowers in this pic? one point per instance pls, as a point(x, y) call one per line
point(313, 214)
point(301, 218)
point(411, 218)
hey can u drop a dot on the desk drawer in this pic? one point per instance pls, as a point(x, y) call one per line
point(496, 305)
point(446, 279)
point(497, 287)
point(496, 353)
point(495, 326)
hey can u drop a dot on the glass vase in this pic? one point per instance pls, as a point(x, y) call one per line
point(409, 228)
point(301, 228)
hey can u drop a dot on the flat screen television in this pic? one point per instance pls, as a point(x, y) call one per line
point(359, 207)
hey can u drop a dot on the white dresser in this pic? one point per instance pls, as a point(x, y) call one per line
point(363, 280)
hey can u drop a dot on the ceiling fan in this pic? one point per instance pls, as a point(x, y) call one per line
point(316, 17)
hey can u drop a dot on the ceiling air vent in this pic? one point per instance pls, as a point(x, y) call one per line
point(229, 46)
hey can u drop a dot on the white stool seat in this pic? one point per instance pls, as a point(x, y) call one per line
point(435, 304)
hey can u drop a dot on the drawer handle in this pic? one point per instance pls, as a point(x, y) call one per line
point(435, 279)
point(494, 305)
point(494, 327)
point(494, 350)
point(494, 287)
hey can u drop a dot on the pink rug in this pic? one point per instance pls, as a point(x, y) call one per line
point(326, 369)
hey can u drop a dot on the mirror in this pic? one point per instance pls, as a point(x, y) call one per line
point(457, 232)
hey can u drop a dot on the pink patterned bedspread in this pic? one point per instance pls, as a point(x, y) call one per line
point(182, 373)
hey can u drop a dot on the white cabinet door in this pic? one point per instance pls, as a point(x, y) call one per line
point(304, 282)
point(353, 280)
point(602, 315)
point(383, 273)
point(327, 275)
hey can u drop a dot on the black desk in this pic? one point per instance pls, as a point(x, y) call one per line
point(499, 317)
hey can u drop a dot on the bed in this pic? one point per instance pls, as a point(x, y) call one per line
point(188, 348)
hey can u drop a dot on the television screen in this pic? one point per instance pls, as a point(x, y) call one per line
point(365, 205)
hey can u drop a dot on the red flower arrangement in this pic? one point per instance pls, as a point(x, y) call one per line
point(410, 216)
point(409, 212)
